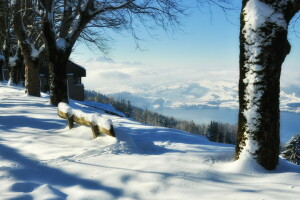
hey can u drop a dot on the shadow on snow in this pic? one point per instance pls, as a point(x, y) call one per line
point(8, 123)
point(32, 171)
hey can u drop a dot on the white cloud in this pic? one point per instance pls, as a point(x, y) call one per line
point(104, 59)
point(290, 77)
point(133, 76)
point(136, 63)
point(115, 75)
point(110, 76)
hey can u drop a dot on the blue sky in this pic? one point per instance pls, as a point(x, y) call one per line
point(206, 47)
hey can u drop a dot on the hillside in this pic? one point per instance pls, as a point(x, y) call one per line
point(41, 159)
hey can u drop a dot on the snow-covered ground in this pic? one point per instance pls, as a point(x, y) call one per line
point(41, 159)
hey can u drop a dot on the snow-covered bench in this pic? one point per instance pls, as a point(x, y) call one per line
point(98, 123)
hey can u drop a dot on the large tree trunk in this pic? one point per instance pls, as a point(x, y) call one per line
point(32, 79)
point(58, 58)
point(263, 48)
point(58, 80)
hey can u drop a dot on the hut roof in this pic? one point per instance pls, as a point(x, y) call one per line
point(76, 69)
point(72, 68)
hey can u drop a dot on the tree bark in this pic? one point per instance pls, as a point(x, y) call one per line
point(263, 48)
point(1, 70)
point(58, 81)
point(4, 19)
point(58, 59)
point(32, 79)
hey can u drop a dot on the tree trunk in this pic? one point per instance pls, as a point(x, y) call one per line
point(58, 80)
point(12, 75)
point(1, 69)
point(19, 66)
point(58, 59)
point(32, 81)
point(263, 48)
point(15, 68)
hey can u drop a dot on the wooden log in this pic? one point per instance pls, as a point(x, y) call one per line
point(83, 121)
point(110, 132)
point(62, 114)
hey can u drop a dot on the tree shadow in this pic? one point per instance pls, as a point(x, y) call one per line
point(32, 171)
point(153, 140)
point(23, 104)
point(8, 123)
point(142, 134)
point(285, 166)
point(207, 175)
point(139, 142)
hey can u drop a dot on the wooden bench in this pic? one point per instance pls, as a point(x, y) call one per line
point(88, 119)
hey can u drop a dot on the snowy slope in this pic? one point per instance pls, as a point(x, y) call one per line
point(41, 159)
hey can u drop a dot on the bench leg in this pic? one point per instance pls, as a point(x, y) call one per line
point(70, 122)
point(95, 130)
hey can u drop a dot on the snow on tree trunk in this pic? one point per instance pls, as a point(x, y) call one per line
point(15, 65)
point(263, 48)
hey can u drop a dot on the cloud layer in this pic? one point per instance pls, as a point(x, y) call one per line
point(109, 76)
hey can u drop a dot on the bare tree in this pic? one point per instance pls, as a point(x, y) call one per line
point(10, 54)
point(263, 48)
point(25, 25)
point(64, 22)
point(5, 25)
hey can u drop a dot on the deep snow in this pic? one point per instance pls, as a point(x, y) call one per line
point(41, 159)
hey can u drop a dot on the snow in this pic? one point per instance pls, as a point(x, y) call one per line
point(259, 12)
point(2, 56)
point(40, 158)
point(83, 5)
point(10, 82)
point(61, 43)
point(75, 26)
point(100, 107)
point(34, 52)
point(12, 60)
point(95, 118)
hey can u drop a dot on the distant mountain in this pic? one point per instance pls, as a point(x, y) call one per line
point(203, 94)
